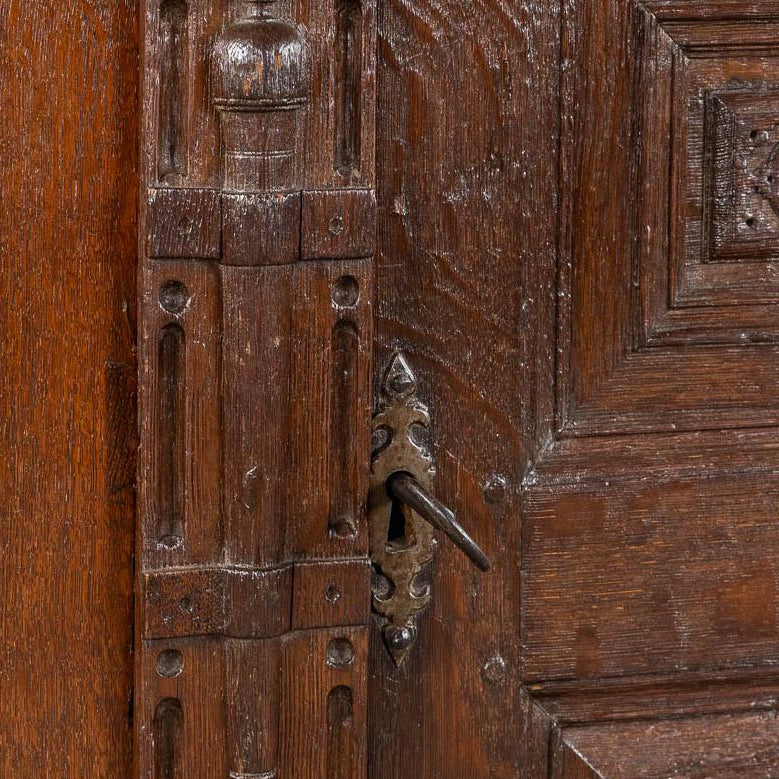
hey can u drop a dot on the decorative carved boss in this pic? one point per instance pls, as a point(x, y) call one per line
point(258, 223)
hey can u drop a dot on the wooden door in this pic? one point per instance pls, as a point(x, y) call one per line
point(526, 252)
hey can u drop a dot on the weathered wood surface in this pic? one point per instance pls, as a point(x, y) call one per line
point(461, 201)
point(255, 353)
point(733, 746)
point(577, 239)
point(649, 497)
point(67, 386)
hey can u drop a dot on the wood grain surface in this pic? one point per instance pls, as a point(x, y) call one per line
point(726, 746)
point(565, 215)
point(67, 386)
point(460, 203)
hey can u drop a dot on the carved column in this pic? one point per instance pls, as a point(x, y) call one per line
point(255, 349)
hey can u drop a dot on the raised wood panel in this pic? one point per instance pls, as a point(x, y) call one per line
point(710, 453)
point(664, 725)
point(712, 10)
point(648, 591)
point(727, 747)
point(667, 204)
point(705, 216)
point(649, 577)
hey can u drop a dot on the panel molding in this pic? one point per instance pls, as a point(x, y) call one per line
point(685, 339)
point(609, 729)
point(650, 493)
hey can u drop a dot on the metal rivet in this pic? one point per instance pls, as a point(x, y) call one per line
point(402, 383)
point(332, 594)
point(336, 225)
point(402, 638)
point(495, 488)
point(174, 297)
point(170, 663)
point(340, 653)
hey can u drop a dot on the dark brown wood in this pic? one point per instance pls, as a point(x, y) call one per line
point(261, 229)
point(727, 746)
point(324, 708)
point(649, 596)
point(331, 593)
point(566, 218)
point(460, 207)
point(339, 224)
point(184, 223)
point(256, 336)
point(649, 577)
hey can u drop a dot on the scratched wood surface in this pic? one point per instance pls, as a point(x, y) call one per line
point(577, 240)
point(67, 247)
point(459, 206)
point(733, 746)
point(576, 251)
point(649, 499)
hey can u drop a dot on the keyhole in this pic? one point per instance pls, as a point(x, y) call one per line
point(399, 534)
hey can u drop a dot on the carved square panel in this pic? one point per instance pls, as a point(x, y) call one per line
point(669, 236)
point(741, 175)
point(714, 144)
point(725, 125)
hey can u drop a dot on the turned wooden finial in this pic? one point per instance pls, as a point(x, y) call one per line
point(260, 82)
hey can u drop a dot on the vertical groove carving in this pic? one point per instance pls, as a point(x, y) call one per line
point(170, 436)
point(172, 154)
point(340, 707)
point(168, 738)
point(348, 85)
point(344, 400)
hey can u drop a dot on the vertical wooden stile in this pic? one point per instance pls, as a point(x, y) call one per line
point(256, 286)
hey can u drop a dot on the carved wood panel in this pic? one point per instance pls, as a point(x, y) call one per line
point(648, 235)
point(590, 300)
point(258, 230)
point(649, 502)
point(685, 337)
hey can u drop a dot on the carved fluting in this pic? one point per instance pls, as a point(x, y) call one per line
point(253, 556)
point(260, 84)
